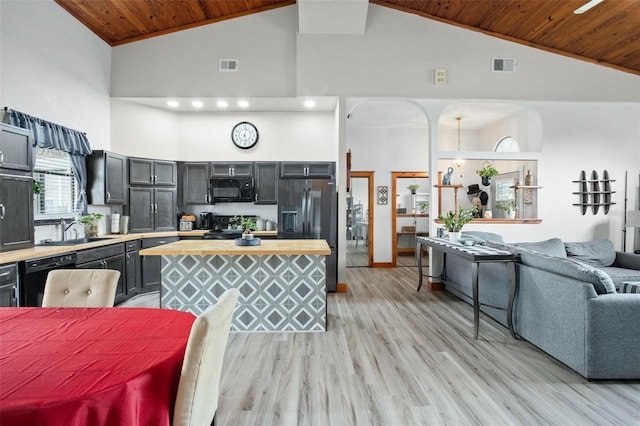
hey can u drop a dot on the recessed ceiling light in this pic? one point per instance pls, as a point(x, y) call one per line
point(197, 104)
point(222, 104)
point(587, 6)
point(173, 104)
point(310, 103)
point(243, 104)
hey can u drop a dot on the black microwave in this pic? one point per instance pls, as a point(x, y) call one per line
point(231, 190)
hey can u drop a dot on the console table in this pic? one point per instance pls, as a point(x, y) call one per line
point(476, 255)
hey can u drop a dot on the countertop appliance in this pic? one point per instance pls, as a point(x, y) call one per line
point(220, 229)
point(232, 190)
point(307, 209)
point(206, 220)
point(33, 275)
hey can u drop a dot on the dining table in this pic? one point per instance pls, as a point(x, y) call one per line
point(90, 366)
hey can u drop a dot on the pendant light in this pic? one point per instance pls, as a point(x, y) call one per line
point(458, 162)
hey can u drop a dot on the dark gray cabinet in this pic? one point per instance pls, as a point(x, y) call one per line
point(106, 178)
point(143, 171)
point(266, 182)
point(107, 257)
point(16, 211)
point(313, 169)
point(152, 265)
point(240, 169)
point(133, 276)
point(152, 209)
point(16, 149)
point(8, 285)
point(194, 178)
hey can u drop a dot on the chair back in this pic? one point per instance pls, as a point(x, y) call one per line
point(197, 399)
point(80, 288)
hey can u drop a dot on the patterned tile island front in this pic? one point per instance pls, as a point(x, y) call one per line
point(282, 283)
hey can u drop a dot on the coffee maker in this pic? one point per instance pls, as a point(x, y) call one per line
point(206, 220)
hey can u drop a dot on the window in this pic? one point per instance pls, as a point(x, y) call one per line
point(507, 144)
point(54, 172)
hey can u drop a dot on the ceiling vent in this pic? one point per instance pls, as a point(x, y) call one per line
point(504, 65)
point(228, 65)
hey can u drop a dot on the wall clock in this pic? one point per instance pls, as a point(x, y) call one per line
point(244, 135)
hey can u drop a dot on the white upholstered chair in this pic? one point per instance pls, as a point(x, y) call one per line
point(80, 288)
point(197, 398)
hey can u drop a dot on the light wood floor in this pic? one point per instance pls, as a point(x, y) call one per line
point(393, 356)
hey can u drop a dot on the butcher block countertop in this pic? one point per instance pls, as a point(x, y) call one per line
point(49, 250)
point(229, 247)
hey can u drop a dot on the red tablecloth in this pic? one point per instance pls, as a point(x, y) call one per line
point(73, 366)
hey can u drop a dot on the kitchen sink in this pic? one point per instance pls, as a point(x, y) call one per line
point(72, 242)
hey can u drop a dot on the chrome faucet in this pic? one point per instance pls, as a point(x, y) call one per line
point(65, 228)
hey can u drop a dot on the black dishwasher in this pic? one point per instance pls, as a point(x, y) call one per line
point(33, 275)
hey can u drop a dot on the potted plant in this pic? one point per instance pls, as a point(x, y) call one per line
point(91, 224)
point(453, 222)
point(247, 224)
point(413, 187)
point(486, 172)
point(424, 207)
point(37, 187)
point(509, 208)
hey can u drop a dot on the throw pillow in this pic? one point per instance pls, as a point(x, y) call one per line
point(552, 247)
point(597, 253)
point(601, 282)
point(630, 287)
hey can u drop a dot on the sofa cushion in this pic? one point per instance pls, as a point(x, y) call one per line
point(596, 253)
point(601, 282)
point(620, 275)
point(552, 247)
point(484, 236)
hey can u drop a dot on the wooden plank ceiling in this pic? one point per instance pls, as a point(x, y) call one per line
point(608, 34)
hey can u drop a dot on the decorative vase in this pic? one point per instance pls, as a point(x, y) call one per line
point(511, 214)
point(91, 229)
point(528, 179)
point(454, 236)
point(486, 180)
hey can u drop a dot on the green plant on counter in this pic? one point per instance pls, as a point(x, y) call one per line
point(248, 224)
point(91, 223)
point(454, 222)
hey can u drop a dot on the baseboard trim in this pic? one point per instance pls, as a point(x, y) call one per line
point(436, 286)
point(382, 265)
point(341, 288)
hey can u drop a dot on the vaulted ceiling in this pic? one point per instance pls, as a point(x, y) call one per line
point(608, 34)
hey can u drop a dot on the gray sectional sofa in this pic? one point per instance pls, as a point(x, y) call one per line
point(568, 303)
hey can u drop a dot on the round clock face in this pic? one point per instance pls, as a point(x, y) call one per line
point(244, 135)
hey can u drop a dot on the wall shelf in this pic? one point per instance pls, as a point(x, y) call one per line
point(594, 192)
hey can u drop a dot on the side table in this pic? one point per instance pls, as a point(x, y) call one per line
point(476, 255)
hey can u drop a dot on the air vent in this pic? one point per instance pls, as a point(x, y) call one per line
point(228, 65)
point(504, 65)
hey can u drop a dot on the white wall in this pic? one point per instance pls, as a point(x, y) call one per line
point(399, 51)
point(54, 68)
point(186, 63)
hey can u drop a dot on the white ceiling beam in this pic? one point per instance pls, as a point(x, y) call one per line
point(332, 16)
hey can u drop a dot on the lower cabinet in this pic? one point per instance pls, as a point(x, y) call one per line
point(133, 275)
point(152, 265)
point(107, 257)
point(8, 285)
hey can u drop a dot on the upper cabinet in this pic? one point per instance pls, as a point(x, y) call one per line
point(16, 150)
point(143, 171)
point(240, 169)
point(194, 178)
point(307, 169)
point(266, 182)
point(106, 178)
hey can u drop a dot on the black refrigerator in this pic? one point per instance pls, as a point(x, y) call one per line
point(307, 209)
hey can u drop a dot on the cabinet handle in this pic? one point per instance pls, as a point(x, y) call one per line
point(151, 207)
point(128, 257)
point(155, 178)
point(230, 171)
point(108, 196)
point(4, 274)
point(2, 211)
point(256, 198)
point(155, 210)
point(1, 157)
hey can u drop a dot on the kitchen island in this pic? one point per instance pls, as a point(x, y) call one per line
point(282, 283)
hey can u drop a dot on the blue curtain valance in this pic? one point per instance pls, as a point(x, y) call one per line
point(51, 135)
